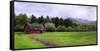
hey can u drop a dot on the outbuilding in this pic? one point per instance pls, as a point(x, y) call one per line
point(34, 28)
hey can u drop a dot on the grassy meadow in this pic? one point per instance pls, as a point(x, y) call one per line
point(22, 40)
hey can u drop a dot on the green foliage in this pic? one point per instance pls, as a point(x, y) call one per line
point(50, 28)
point(61, 28)
point(21, 19)
point(70, 29)
point(40, 20)
point(47, 19)
point(55, 21)
point(49, 24)
point(33, 19)
point(68, 22)
point(19, 28)
point(61, 22)
point(81, 27)
point(92, 28)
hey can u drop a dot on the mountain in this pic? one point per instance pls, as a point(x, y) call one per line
point(81, 21)
point(92, 23)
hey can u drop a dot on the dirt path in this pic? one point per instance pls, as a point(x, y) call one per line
point(45, 42)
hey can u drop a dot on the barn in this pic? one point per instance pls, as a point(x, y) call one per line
point(34, 28)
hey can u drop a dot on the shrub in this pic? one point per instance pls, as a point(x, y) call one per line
point(49, 24)
point(61, 28)
point(50, 28)
point(19, 28)
point(70, 29)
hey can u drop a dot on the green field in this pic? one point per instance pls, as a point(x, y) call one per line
point(22, 40)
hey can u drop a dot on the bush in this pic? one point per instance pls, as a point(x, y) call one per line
point(70, 29)
point(49, 24)
point(50, 28)
point(19, 28)
point(61, 28)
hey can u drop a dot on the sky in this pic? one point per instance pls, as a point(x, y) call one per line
point(55, 10)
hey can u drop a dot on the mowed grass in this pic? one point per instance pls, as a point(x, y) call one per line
point(60, 38)
point(69, 38)
point(23, 41)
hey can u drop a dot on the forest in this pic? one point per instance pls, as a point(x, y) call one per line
point(51, 24)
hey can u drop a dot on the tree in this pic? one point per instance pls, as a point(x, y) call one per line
point(41, 20)
point(47, 20)
point(68, 22)
point(81, 27)
point(61, 28)
point(33, 19)
point(61, 22)
point(50, 28)
point(20, 21)
point(49, 24)
point(70, 28)
point(92, 28)
point(55, 21)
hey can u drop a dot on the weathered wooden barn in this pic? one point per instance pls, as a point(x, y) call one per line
point(34, 28)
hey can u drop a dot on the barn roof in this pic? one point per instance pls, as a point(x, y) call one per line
point(36, 26)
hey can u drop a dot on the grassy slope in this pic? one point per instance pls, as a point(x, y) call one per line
point(23, 41)
point(70, 38)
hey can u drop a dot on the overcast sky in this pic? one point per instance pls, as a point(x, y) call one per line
point(53, 10)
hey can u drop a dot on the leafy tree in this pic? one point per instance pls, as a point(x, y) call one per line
point(50, 28)
point(49, 24)
point(20, 21)
point(81, 27)
point(61, 28)
point(92, 28)
point(19, 28)
point(55, 21)
point(70, 28)
point(68, 22)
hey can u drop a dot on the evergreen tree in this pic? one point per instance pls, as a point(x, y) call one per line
point(41, 20)
point(33, 19)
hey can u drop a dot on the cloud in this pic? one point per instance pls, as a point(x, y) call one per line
point(53, 10)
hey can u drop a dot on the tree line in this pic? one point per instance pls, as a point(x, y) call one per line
point(53, 23)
